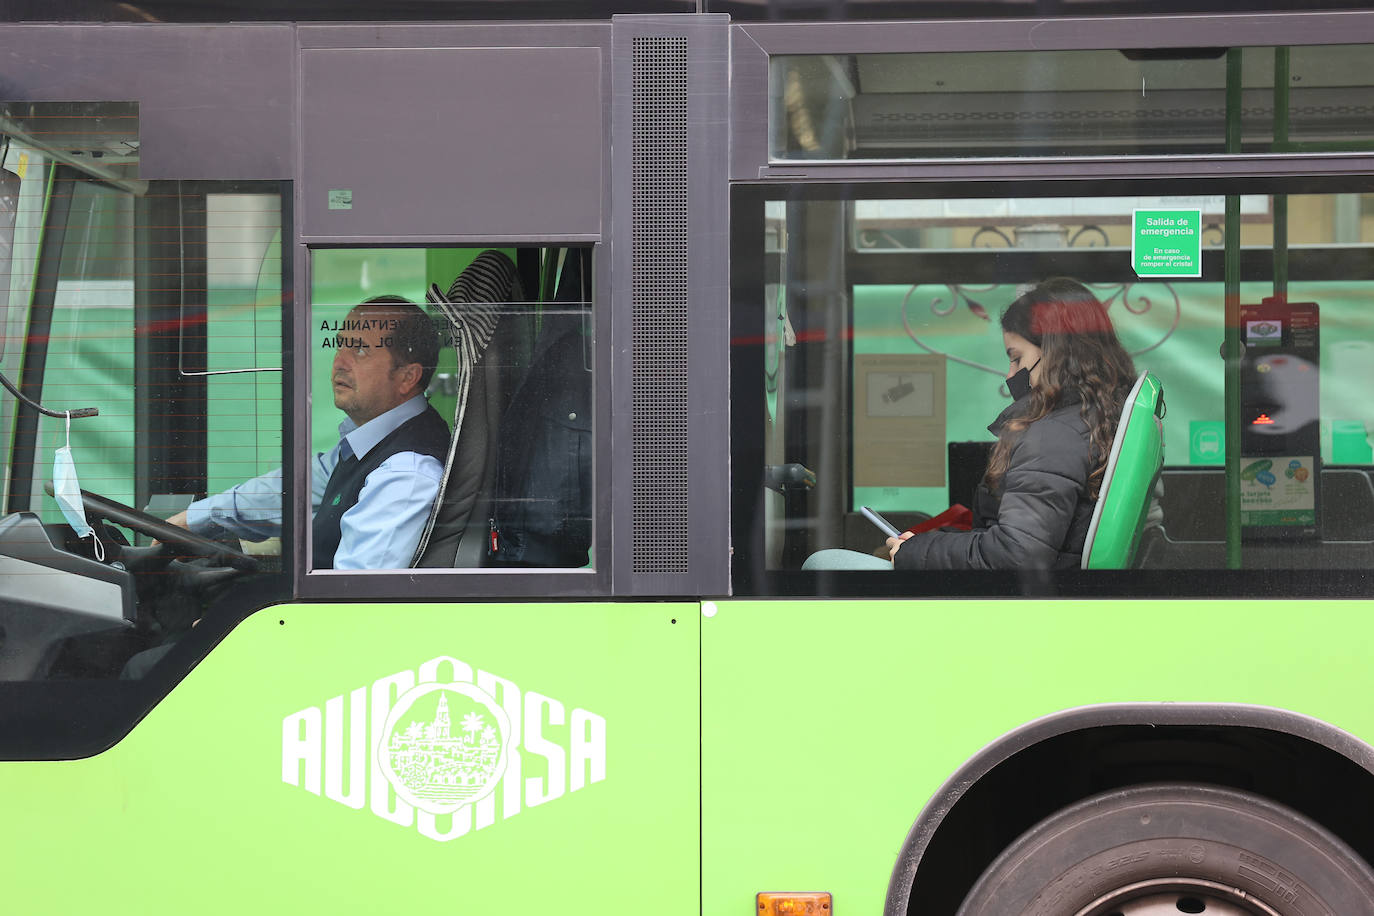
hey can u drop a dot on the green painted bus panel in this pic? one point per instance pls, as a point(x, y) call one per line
point(828, 725)
point(195, 811)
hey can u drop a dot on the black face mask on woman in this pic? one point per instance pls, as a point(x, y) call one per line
point(1019, 383)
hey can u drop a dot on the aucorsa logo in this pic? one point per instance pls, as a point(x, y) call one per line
point(435, 765)
point(443, 749)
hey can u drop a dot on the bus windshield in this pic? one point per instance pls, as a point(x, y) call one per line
point(152, 312)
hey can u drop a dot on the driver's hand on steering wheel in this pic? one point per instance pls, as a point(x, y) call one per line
point(179, 520)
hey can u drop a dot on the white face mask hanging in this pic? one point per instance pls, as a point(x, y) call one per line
point(67, 491)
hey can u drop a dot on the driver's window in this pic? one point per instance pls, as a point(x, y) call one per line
point(459, 381)
point(151, 310)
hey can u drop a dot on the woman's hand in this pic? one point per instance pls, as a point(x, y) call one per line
point(895, 544)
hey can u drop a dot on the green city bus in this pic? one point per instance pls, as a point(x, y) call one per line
point(710, 278)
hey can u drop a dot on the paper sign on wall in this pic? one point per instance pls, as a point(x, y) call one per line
point(899, 420)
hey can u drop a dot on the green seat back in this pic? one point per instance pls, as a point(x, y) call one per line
point(1128, 484)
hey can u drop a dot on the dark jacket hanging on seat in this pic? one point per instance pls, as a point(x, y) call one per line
point(542, 512)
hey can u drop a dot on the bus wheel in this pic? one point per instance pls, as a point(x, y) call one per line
point(1162, 850)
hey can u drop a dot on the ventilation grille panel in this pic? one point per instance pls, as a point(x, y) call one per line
point(658, 304)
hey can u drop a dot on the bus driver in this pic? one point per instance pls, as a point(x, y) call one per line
point(371, 494)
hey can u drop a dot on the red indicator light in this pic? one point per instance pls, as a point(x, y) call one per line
point(1262, 420)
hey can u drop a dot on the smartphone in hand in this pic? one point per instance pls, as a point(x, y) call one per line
point(882, 524)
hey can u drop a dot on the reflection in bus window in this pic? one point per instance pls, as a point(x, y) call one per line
point(372, 491)
point(511, 487)
point(1069, 380)
point(1064, 103)
point(884, 361)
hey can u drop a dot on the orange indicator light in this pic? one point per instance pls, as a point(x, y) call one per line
point(808, 904)
point(1262, 420)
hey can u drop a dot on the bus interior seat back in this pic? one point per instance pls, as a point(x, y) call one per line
point(968, 462)
point(1194, 508)
point(541, 510)
point(493, 385)
point(473, 307)
point(1128, 484)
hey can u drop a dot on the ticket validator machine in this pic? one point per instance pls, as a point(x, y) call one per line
point(1280, 421)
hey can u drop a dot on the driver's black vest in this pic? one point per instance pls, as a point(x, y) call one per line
point(425, 434)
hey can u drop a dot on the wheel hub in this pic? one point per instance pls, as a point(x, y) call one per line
point(1175, 896)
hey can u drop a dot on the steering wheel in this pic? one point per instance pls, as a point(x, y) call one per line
point(167, 533)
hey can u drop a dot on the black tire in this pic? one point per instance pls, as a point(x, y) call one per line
point(1158, 849)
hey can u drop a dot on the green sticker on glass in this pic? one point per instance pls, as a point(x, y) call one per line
point(341, 198)
point(1206, 442)
point(1167, 243)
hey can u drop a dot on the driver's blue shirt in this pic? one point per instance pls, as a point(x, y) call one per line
point(380, 532)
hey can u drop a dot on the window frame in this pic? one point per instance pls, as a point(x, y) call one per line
point(750, 575)
point(753, 44)
point(424, 584)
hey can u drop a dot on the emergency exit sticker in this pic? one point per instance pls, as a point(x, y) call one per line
point(341, 198)
point(1167, 243)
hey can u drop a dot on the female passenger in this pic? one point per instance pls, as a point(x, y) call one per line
point(1069, 376)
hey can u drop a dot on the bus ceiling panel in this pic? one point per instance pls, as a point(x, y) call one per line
point(957, 90)
point(327, 10)
point(456, 35)
point(1081, 102)
point(212, 102)
point(413, 142)
point(97, 139)
point(741, 10)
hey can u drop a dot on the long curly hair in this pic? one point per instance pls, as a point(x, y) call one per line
point(1079, 352)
